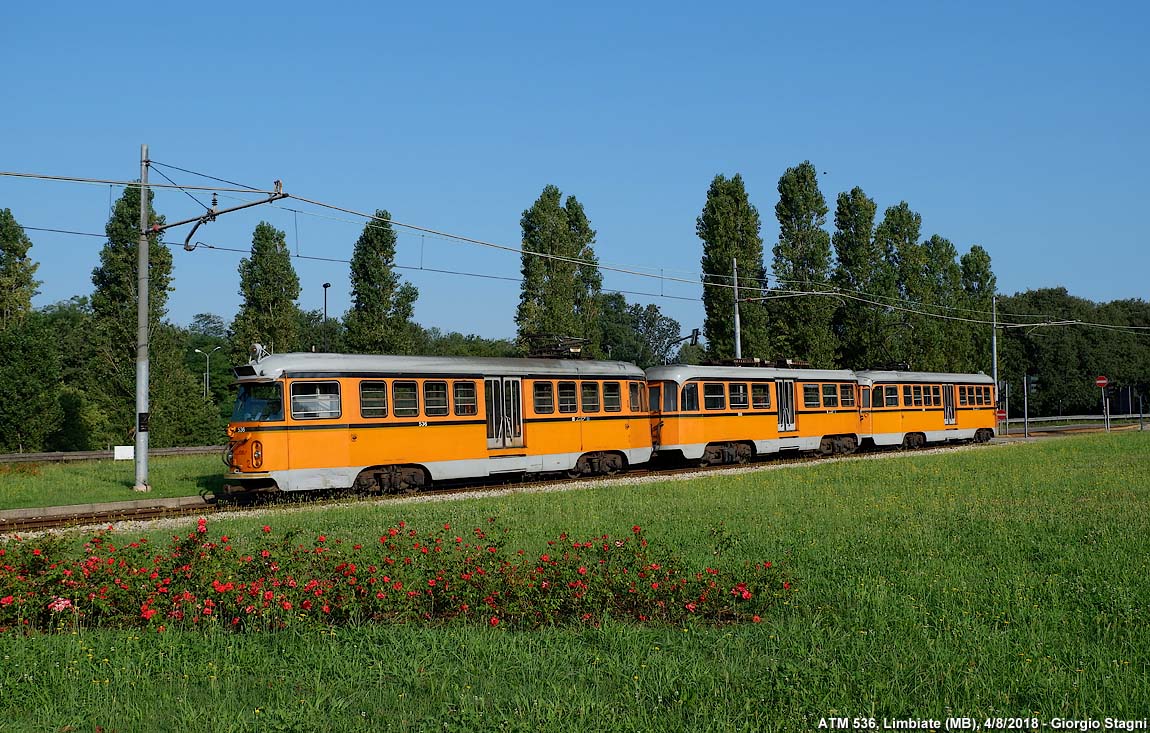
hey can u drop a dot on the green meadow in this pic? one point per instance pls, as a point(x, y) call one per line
point(993, 582)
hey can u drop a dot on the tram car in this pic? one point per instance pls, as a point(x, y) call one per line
point(717, 414)
point(306, 421)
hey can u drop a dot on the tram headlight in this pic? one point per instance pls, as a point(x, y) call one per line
point(257, 454)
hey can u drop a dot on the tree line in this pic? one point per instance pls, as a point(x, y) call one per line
point(869, 294)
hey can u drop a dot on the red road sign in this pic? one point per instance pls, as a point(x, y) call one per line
point(1101, 381)
point(1001, 414)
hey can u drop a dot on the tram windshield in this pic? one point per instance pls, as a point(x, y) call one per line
point(259, 402)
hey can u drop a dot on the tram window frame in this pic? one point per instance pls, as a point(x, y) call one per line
point(567, 397)
point(465, 405)
point(961, 395)
point(759, 390)
point(589, 396)
point(907, 396)
point(989, 398)
point(635, 396)
point(811, 396)
point(714, 396)
point(435, 398)
point(847, 395)
point(369, 406)
point(982, 395)
point(408, 408)
point(936, 395)
point(323, 409)
point(543, 398)
point(655, 394)
point(612, 397)
point(740, 396)
point(830, 395)
point(890, 396)
point(670, 396)
point(865, 397)
point(918, 402)
point(689, 399)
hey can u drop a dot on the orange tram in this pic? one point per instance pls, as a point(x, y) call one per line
point(306, 421)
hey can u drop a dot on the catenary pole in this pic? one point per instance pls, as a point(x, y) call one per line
point(142, 335)
point(738, 327)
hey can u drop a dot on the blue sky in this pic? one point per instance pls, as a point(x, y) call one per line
point(1017, 126)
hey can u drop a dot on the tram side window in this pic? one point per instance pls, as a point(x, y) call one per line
point(690, 399)
point(315, 400)
point(962, 395)
point(811, 395)
point(907, 399)
point(545, 398)
point(612, 397)
point(405, 398)
point(567, 397)
point(670, 396)
point(435, 399)
point(981, 395)
point(635, 392)
point(937, 392)
point(986, 392)
point(847, 395)
point(656, 391)
point(830, 395)
point(918, 395)
point(714, 396)
point(373, 399)
point(864, 397)
point(761, 396)
point(465, 401)
point(891, 395)
point(738, 396)
point(590, 394)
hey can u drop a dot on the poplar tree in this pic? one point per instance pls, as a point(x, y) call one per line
point(861, 271)
point(897, 237)
point(178, 413)
point(380, 318)
point(729, 227)
point(942, 342)
point(802, 262)
point(18, 281)
point(978, 289)
point(560, 292)
point(269, 287)
point(112, 373)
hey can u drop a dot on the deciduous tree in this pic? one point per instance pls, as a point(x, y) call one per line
point(729, 227)
point(18, 281)
point(380, 319)
point(269, 287)
point(561, 284)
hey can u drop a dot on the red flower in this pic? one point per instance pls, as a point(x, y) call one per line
point(756, 619)
point(786, 585)
point(6, 600)
point(321, 538)
point(494, 621)
point(267, 528)
point(582, 571)
point(636, 529)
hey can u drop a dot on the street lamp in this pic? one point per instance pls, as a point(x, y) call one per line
point(207, 367)
point(325, 287)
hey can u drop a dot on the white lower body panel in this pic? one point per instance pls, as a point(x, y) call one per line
point(342, 477)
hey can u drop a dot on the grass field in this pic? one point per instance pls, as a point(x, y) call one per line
point(1004, 581)
point(83, 482)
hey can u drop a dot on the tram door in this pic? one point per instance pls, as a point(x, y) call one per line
point(948, 404)
point(503, 397)
point(786, 394)
point(866, 426)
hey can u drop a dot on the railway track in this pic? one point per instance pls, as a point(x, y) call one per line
point(48, 518)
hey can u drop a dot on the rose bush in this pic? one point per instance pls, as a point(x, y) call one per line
point(270, 582)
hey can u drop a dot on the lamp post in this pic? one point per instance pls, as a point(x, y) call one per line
point(208, 368)
point(325, 287)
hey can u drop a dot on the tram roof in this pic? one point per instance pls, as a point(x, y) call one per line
point(307, 364)
point(685, 372)
point(879, 376)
